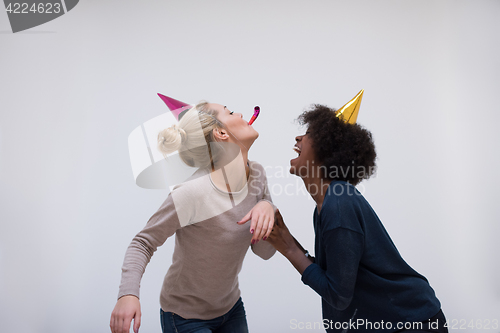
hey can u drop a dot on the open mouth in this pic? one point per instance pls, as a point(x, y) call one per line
point(297, 150)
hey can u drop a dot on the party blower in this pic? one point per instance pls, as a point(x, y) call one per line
point(256, 111)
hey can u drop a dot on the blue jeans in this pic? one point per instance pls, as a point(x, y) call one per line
point(234, 321)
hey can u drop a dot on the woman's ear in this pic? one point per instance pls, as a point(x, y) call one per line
point(220, 134)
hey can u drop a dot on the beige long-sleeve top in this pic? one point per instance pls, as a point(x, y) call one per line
point(202, 281)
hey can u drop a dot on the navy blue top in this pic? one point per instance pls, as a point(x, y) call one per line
point(358, 271)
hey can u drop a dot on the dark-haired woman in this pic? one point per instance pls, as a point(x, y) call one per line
point(365, 284)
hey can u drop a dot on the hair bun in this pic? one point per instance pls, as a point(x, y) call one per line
point(181, 131)
point(171, 138)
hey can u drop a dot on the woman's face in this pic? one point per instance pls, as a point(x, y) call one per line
point(239, 131)
point(303, 164)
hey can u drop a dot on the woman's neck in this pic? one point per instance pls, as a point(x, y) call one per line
point(231, 175)
point(244, 155)
point(317, 188)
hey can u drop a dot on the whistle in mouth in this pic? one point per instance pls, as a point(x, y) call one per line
point(256, 112)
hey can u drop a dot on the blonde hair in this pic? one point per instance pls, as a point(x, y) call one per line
point(192, 136)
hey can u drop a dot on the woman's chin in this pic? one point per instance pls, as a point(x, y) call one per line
point(248, 144)
point(252, 139)
point(293, 165)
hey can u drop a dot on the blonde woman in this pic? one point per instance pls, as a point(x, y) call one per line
point(208, 215)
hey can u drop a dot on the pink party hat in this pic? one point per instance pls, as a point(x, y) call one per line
point(177, 107)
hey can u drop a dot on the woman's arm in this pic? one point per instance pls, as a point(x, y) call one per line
point(261, 218)
point(287, 245)
point(306, 253)
point(262, 221)
point(262, 214)
point(341, 244)
point(342, 250)
point(160, 226)
point(263, 249)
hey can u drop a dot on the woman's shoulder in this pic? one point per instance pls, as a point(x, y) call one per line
point(256, 169)
point(342, 192)
point(193, 185)
point(255, 164)
point(343, 204)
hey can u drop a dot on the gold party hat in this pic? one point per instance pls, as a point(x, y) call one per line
point(349, 112)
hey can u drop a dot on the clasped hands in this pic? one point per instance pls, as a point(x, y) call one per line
point(281, 238)
point(288, 246)
point(268, 225)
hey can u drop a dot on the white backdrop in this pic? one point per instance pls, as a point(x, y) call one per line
point(73, 89)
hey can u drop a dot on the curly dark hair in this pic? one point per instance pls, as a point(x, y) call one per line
point(346, 151)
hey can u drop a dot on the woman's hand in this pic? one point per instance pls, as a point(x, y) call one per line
point(262, 216)
point(280, 236)
point(287, 245)
point(127, 308)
